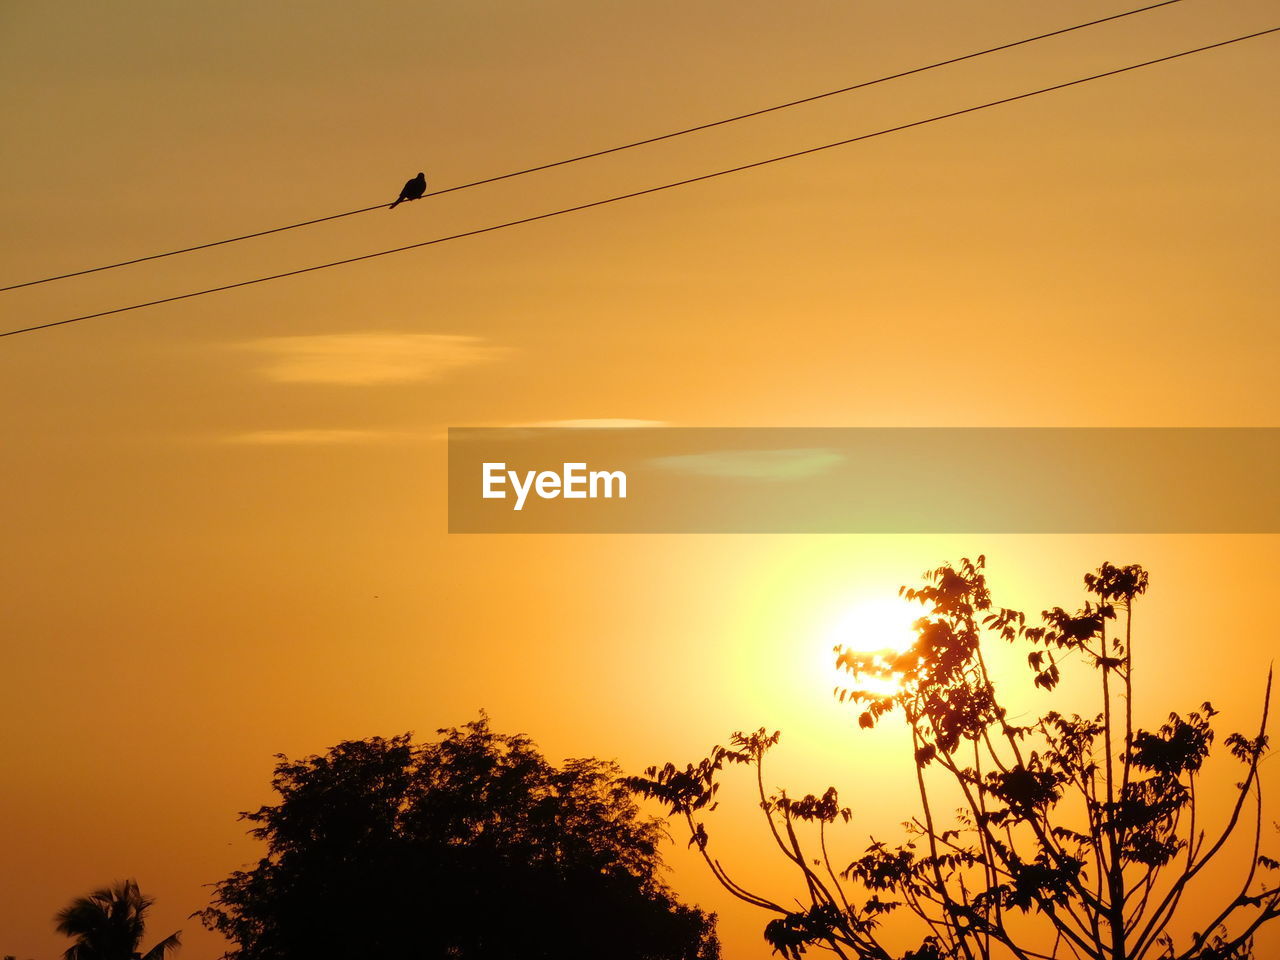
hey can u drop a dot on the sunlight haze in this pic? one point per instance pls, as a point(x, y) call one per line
point(224, 518)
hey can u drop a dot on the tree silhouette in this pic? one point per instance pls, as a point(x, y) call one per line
point(470, 847)
point(1075, 836)
point(109, 924)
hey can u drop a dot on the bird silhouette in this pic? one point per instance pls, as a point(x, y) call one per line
point(413, 189)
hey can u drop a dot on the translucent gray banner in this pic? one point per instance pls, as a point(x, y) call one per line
point(864, 480)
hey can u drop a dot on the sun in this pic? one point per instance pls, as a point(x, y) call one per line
point(869, 625)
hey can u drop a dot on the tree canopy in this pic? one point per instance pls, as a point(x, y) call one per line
point(1072, 835)
point(109, 924)
point(473, 846)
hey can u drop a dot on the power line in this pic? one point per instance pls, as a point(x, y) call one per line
point(650, 190)
point(608, 150)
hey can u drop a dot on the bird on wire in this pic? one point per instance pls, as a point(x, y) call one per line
point(413, 190)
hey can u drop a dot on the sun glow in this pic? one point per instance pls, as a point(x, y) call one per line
point(869, 626)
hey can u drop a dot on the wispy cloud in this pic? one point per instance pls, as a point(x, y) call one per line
point(754, 464)
point(363, 359)
point(312, 438)
point(607, 423)
point(599, 423)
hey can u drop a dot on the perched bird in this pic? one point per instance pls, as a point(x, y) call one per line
point(413, 189)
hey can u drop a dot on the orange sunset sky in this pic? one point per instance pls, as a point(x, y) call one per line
point(224, 519)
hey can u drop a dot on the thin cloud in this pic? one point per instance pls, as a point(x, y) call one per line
point(312, 438)
point(365, 359)
point(607, 423)
point(602, 423)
